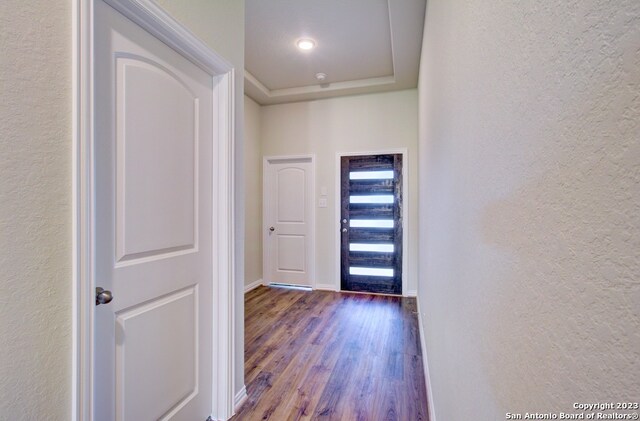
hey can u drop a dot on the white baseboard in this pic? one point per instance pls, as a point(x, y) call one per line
point(425, 364)
point(326, 287)
point(412, 293)
point(252, 285)
point(241, 396)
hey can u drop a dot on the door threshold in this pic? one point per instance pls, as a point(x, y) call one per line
point(289, 286)
point(384, 294)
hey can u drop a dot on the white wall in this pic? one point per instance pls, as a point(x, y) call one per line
point(35, 194)
point(35, 210)
point(363, 123)
point(253, 192)
point(530, 205)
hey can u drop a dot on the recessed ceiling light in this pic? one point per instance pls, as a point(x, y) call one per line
point(305, 44)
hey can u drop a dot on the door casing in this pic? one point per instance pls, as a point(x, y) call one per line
point(405, 211)
point(148, 15)
point(266, 262)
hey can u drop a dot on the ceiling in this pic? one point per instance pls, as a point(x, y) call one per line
point(362, 46)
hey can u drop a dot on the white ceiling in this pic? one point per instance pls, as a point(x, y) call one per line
point(362, 45)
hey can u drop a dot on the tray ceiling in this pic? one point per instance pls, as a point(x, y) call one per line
point(361, 45)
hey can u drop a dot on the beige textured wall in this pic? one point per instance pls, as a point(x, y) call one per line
point(253, 192)
point(35, 210)
point(220, 24)
point(530, 205)
point(325, 127)
point(35, 194)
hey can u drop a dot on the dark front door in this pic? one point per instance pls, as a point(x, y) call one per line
point(371, 223)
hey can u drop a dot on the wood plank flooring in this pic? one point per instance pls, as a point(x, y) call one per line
point(316, 355)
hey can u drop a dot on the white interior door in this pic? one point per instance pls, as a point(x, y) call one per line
point(153, 227)
point(288, 201)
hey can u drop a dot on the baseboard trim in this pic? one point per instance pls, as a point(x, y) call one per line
point(240, 398)
point(412, 293)
point(326, 287)
point(425, 364)
point(252, 285)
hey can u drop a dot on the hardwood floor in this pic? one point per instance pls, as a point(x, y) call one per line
point(331, 356)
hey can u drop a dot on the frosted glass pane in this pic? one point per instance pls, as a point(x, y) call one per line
point(371, 272)
point(383, 198)
point(371, 175)
point(371, 223)
point(378, 248)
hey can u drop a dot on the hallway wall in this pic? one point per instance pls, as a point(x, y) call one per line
point(530, 205)
point(252, 191)
point(35, 210)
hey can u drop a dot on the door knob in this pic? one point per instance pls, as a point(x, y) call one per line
point(103, 296)
point(272, 229)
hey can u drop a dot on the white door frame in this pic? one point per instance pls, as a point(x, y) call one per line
point(266, 262)
point(405, 210)
point(148, 15)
